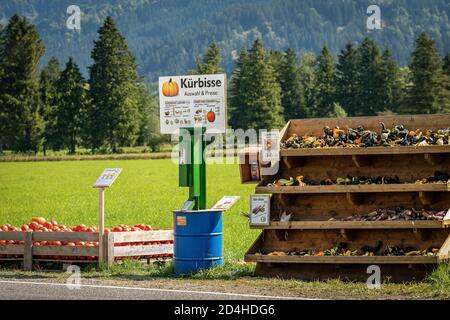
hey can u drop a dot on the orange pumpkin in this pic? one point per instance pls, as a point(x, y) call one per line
point(170, 88)
point(211, 116)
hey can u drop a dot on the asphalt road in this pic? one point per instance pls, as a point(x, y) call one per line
point(24, 290)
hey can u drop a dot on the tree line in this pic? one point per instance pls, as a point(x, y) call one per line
point(270, 87)
point(153, 28)
point(56, 108)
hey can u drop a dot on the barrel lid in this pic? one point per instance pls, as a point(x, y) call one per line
point(198, 211)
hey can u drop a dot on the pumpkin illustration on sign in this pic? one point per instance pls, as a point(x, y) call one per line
point(170, 88)
point(211, 116)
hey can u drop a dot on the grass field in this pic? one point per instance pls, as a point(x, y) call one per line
point(146, 192)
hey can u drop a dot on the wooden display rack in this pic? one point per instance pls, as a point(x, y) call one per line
point(116, 247)
point(312, 206)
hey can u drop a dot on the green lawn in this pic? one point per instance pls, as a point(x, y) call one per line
point(146, 192)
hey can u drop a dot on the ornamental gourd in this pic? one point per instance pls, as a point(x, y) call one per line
point(170, 88)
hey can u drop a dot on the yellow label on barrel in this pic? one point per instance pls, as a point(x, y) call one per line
point(181, 221)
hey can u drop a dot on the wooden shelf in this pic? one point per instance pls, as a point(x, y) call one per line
point(312, 225)
point(341, 151)
point(312, 206)
point(67, 261)
point(407, 187)
point(343, 259)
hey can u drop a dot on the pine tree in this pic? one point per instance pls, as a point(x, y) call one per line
point(369, 97)
point(325, 89)
point(446, 64)
point(238, 83)
point(49, 103)
point(276, 59)
point(346, 79)
point(446, 70)
point(21, 125)
point(392, 87)
point(73, 100)
point(210, 62)
point(428, 93)
point(149, 133)
point(308, 79)
point(292, 95)
point(114, 87)
point(259, 92)
point(3, 114)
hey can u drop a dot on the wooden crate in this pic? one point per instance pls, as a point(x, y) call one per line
point(117, 246)
point(311, 207)
point(246, 158)
point(114, 250)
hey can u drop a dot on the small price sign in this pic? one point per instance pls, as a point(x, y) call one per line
point(107, 178)
point(259, 210)
point(226, 203)
point(270, 146)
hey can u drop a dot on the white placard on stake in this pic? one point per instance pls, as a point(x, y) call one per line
point(259, 210)
point(193, 101)
point(107, 178)
point(225, 203)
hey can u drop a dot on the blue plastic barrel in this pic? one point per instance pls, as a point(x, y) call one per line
point(198, 240)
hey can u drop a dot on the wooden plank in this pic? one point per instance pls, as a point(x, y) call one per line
point(390, 273)
point(12, 235)
point(155, 235)
point(340, 151)
point(65, 251)
point(410, 224)
point(28, 252)
point(343, 260)
point(108, 248)
point(70, 261)
point(433, 159)
point(129, 251)
point(447, 218)
point(284, 132)
point(444, 251)
point(256, 244)
point(65, 236)
point(406, 187)
point(11, 249)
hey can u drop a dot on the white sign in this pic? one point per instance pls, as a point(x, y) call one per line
point(193, 101)
point(270, 146)
point(259, 210)
point(107, 178)
point(226, 203)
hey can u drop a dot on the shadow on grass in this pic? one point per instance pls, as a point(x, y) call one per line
point(20, 276)
point(132, 270)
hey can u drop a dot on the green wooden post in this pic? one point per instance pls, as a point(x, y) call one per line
point(192, 168)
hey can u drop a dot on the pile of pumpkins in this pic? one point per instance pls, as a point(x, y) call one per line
point(40, 224)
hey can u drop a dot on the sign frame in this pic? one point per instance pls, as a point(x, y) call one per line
point(263, 203)
point(204, 105)
point(107, 177)
point(225, 203)
point(270, 146)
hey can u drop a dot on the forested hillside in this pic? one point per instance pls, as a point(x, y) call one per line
point(167, 36)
